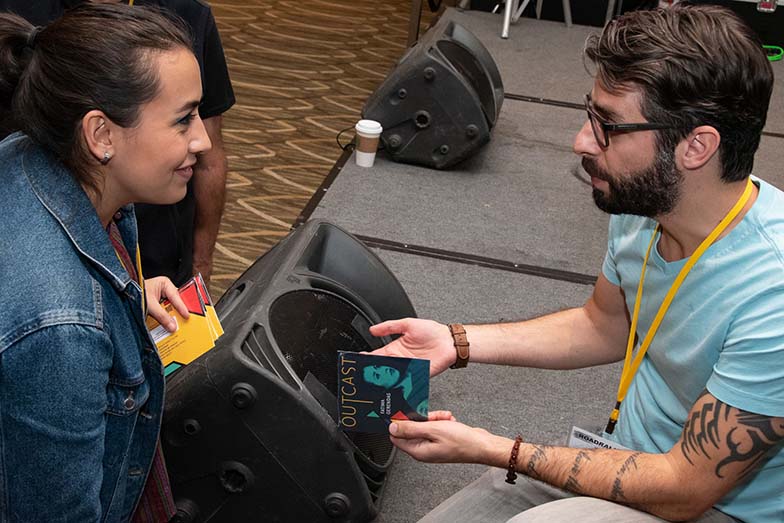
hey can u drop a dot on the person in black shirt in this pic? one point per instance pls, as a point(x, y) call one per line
point(175, 240)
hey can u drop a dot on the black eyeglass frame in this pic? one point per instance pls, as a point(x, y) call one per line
point(608, 128)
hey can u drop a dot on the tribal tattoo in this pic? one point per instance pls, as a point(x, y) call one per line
point(617, 490)
point(730, 435)
point(572, 485)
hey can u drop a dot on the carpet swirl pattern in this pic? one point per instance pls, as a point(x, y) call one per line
point(301, 72)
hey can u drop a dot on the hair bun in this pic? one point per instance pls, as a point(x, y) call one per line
point(31, 37)
point(14, 58)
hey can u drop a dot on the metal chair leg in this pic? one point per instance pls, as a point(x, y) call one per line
point(513, 10)
point(610, 11)
point(517, 14)
point(508, 8)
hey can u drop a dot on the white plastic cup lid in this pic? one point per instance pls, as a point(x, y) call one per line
point(368, 127)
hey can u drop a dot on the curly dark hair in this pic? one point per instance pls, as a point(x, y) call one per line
point(694, 65)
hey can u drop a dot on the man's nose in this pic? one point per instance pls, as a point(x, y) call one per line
point(585, 142)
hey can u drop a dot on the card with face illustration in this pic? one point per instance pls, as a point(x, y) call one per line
point(373, 390)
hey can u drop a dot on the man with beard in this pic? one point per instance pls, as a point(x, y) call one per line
point(674, 119)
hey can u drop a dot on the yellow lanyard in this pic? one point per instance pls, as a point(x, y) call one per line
point(630, 365)
point(141, 280)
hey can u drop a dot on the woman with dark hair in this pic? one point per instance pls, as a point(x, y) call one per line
point(106, 100)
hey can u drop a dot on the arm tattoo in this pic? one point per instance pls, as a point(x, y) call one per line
point(702, 428)
point(763, 435)
point(701, 435)
point(538, 455)
point(617, 489)
point(572, 485)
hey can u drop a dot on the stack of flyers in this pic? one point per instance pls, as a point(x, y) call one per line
point(193, 336)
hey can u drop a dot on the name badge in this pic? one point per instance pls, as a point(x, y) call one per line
point(583, 439)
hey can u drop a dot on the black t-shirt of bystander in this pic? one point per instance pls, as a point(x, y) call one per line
point(166, 231)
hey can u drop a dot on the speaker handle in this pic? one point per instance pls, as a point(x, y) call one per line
point(231, 299)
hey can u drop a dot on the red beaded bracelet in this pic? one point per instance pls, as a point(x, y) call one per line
point(511, 472)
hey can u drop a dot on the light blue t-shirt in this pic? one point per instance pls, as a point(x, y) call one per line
point(724, 331)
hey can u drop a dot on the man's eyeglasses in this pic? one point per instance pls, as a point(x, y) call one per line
point(602, 129)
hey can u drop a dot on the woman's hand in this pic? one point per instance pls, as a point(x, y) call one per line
point(155, 290)
point(424, 339)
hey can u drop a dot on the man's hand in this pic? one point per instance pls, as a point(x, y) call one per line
point(424, 339)
point(720, 446)
point(443, 440)
point(440, 415)
point(157, 289)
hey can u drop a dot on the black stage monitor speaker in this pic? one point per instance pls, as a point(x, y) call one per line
point(439, 104)
point(250, 431)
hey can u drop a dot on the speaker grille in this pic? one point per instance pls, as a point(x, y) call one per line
point(310, 326)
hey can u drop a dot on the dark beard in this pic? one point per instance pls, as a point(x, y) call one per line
point(651, 192)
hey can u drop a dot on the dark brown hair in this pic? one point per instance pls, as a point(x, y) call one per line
point(694, 65)
point(96, 56)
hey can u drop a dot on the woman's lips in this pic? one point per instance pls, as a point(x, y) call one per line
point(185, 172)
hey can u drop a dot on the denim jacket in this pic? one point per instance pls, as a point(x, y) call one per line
point(81, 386)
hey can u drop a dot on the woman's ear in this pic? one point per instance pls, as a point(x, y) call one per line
point(96, 131)
point(700, 146)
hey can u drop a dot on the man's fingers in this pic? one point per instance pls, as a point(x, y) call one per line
point(410, 429)
point(412, 447)
point(388, 327)
point(440, 415)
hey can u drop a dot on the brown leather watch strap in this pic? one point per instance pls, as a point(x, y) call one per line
point(461, 345)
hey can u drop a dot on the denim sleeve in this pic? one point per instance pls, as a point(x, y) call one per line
point(52, 403)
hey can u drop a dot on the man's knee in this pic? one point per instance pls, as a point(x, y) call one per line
point(584, 510)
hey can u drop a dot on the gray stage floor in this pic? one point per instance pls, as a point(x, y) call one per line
point(521, 200)
point(506, 202)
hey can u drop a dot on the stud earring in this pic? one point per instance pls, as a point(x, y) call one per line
point(106, 158)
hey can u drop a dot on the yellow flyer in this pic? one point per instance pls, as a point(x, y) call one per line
point(193, 336)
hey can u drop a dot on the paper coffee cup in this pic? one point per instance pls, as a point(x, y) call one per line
point(368, 133)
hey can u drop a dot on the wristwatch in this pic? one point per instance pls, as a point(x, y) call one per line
point(461, 345)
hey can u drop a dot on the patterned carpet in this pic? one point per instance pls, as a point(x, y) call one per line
point(301, 72)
